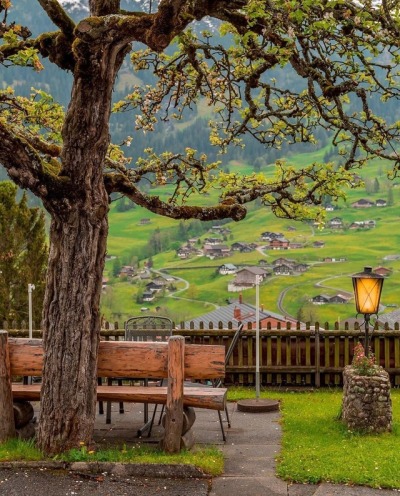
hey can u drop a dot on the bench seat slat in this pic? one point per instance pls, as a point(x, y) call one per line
point(197, 397)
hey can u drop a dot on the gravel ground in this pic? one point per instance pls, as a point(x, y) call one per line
point(42, 482)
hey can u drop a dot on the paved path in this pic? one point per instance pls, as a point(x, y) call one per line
point(252, 445)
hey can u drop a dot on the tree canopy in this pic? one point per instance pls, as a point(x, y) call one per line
point(343, 55)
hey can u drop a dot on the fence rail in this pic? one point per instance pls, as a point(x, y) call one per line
point(288, 357)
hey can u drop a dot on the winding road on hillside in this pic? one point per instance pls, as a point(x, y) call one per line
point(186, 286)
point(319, 284)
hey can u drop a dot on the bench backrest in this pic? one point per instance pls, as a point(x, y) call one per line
point(125, 359)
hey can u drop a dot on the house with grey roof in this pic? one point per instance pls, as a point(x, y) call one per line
point(247, 278)
point(236, 312)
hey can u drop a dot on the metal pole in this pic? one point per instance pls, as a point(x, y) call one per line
point(257, 337)
point(366, 343)
point(31, 287)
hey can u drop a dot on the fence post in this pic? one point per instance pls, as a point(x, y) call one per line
point(174, 407)
point(7, 424)
point(317, 359)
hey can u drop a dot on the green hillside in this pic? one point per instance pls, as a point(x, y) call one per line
point(129, 239)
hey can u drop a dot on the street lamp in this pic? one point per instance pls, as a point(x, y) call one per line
point(31, 287)
point(367, 292)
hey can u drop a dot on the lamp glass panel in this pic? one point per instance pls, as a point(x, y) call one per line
point(367, 293)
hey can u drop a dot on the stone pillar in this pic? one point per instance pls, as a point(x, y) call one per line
point(367, 405)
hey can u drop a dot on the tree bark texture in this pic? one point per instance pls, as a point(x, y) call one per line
point(78, 236)
point(7, 425)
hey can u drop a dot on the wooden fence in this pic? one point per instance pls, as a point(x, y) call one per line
point(313, 357)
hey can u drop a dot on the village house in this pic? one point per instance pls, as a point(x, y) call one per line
point(300, 267)
point(221, 230)
point(216, 251)
point(381, 203)
point(127, 271)
point(340, 298)
point(335, 223)
point(226, 269)
point(282, 270)
point(268, 235)
point(382, 271)
point(212, 241)
point(148, 296)
point(234, 313)
point(286, 261)
point(279, 244)
point(243, 247)
point(362, 224)
point(333, 259)
point(322, 299)
point(363, 203)
point(184, 252)
point(247, 278)
point(154, 287)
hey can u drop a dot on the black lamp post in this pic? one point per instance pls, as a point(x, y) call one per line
point(367, 292)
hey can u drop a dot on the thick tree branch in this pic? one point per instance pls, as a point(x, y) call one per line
point(118, 183)
point(104, 7)
point(58, 16)
point(26, 167)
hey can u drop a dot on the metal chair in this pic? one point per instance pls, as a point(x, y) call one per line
point(217, 382)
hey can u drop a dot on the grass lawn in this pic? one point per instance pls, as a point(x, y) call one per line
point(209, 459)
point(317, 447)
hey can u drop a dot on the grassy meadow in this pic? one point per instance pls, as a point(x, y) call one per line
point(205, 288)
point(317, 447)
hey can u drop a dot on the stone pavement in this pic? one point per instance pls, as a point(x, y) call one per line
point(252, 445)
point(253, 442)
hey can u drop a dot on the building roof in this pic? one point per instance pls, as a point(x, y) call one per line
point(228, 266)
point(389, 318)
point(258, 271)
point(226, 314)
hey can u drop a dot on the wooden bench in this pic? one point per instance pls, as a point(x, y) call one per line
point(173, 360)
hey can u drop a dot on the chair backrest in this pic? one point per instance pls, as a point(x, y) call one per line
point(148, 328)
point(233, 344)
point(219, 382)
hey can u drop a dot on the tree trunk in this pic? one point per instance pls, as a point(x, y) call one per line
point(72, 330)
point(78, 236)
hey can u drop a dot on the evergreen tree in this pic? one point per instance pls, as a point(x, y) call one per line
point(117, 266)
point(23, 256)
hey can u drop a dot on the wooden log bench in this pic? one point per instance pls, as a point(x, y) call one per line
point(173, 360)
